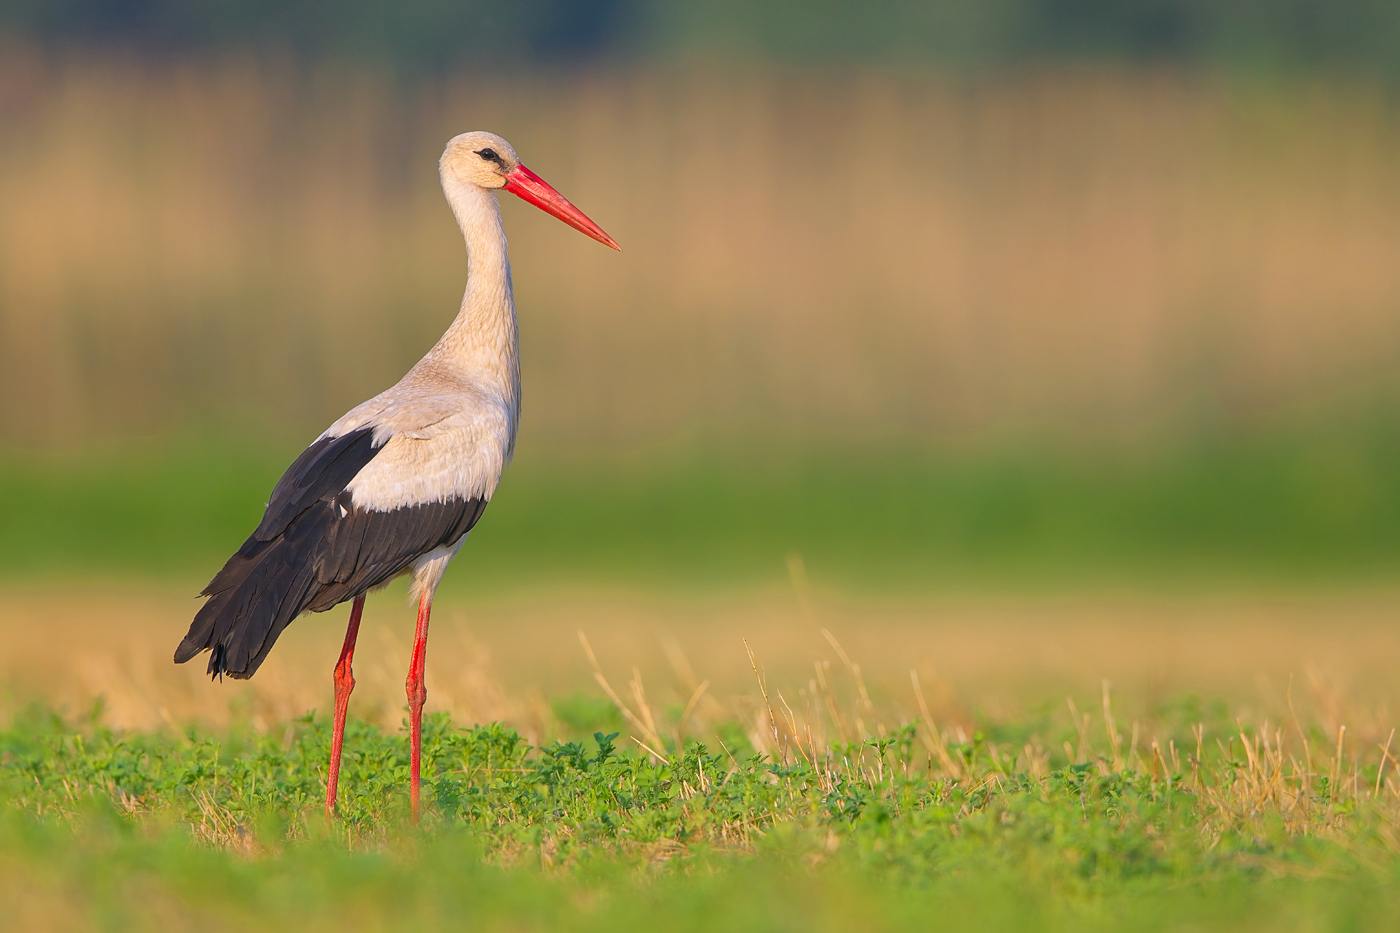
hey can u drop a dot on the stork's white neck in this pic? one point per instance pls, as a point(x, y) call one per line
point(483, 343)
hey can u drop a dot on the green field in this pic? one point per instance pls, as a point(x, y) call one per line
point(1293, 504)
point(1027, 824)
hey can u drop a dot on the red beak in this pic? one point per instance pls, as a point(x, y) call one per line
point(525, 184)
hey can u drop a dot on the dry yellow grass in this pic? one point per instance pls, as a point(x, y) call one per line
point(1111, 251)
point(1329, 656)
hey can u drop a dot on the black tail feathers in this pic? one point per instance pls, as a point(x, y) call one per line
point(272, 578)
point(250, 602)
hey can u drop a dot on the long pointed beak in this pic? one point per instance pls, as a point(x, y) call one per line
point(525, 184)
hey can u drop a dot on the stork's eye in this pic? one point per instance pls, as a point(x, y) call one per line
point(489, 155)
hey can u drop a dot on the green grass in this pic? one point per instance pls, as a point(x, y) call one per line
point(100, 830)
point(1321, 504)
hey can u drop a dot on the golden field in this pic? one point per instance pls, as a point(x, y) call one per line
point(1327, 657)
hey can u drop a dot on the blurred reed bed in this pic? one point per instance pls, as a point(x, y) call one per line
point(814, 254)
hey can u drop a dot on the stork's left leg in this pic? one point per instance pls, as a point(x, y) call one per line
point(344, 683)
point(417, 695)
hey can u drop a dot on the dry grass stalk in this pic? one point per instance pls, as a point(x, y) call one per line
point(1385, 756)
point(778, 744)
point(643, 720)
point(218, 826)
point(932, 736)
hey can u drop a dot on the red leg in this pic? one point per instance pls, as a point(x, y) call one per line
point(344, 683)
point(417, 694)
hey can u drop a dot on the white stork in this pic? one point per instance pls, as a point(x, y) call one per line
point(396, 484)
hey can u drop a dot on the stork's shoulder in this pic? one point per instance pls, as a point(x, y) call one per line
point(426, 404)
point(442, 438)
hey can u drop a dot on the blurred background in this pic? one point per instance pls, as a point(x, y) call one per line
point(931, 304)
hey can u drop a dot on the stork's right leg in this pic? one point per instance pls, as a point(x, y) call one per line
point(417, 696)
point(344, 683)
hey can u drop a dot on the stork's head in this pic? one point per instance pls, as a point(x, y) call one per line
point(485, 160)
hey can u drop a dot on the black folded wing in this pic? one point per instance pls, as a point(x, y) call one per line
point(314, 549)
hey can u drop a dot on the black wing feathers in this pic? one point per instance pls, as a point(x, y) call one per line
point(321, 472)
point(393, 539)
point(313, 550)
